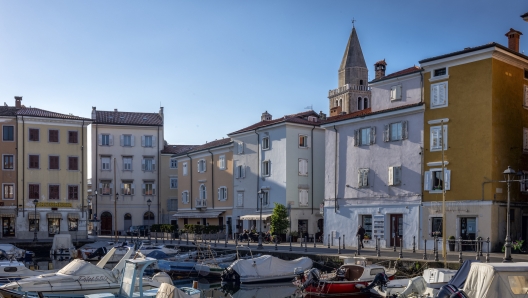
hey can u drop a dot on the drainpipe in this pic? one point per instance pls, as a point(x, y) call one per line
point(312, 172)
point(212, 176)
point(23, 165)
point(159, 181)
point(96, 166)
point(335, 173)
point(258, 165)
point(190, 171)
point(82, 167)
point(17, 171)
point(422, 85)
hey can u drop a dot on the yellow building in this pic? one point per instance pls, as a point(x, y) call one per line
point(478, 97)
point(205, 184)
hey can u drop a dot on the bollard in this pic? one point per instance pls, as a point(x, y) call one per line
point(343, 242)
point(425, 250)
point(236, 240)
point(394, 241)
point(290, 243)
point(248, 241)
point(187, 238)
point(414, 244)
point(477, 257)
point(305, 243)
point(488, 252)
point(328, 240)
point(179, 239)
point(276, 243)
point(460, 259)
point(314, 241)
point(358, 252)
point(225, 240)
point(436, 249)
point(378, 248)
point(301, 238)
point(401, 248)
point(480, 244)
point(332, 239)
point(339, 246)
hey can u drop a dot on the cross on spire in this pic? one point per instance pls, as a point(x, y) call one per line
point(353, 21)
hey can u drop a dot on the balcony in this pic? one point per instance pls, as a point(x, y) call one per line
point(201, 204)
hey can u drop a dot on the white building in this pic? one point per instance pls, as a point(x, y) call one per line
point(283, 158)
point(125, 160)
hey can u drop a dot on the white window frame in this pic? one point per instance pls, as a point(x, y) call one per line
point(266, 168)
point(240, 172)
point(265, 198)
point(439, 95)
point(303, 198)
point(396, 92)
point(185, 197)
point(148, 164)
point(265, 143)
point(173, 163)
point(363, 179)
point(222, 162)
point(303, 139)
point(173, 182)
point(222, 193)
point(14, 191)
point(127, 166)
point(434, 132)
point(429, 180)
point(240, 148)
point(395, 175)
point(148, 141)
point(240, 199)
point(14, 162)
point(106, 139)
point(403, 131)
point(303, 167)
point(202, 191)
point(202, 166)
point(358, 136)
point(106, 166)
point(132, 188)
point(185, 170)
point(148, 186)
point(123, 140)
point(102, 183)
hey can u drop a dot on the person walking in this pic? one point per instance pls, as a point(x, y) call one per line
point(361, 234)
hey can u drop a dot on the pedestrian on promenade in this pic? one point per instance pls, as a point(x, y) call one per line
point(361, 234)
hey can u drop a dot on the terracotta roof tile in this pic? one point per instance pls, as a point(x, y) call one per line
point(468, 50)
point(7, 111)
point(128, 118)
point(208, 145)
point(400, 73)
point(368, 112)
point(34, 112)
point(176, 149)
point(301, 118)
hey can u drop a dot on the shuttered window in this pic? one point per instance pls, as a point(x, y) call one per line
point(365, 136)
point(303, 197)
point(396, 92)
point(434, 182)
point(73, 137)
point(437, 138)
point(33, 161)
point(53, 192)
point(303, 167)
point(73, 163)
point(439, 95)
point(363, 178)
point(395, 175)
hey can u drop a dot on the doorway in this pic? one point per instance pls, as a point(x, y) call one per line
point(468, 231)
point(396, 228)
point(8, 226)
point(302, 226)
point(128, 221)
point(106, 223)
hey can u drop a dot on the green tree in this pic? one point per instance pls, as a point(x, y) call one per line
point(279, 220)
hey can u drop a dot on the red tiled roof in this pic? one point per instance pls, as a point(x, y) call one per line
point(468, 50)
point(208, 145)
point(7, 111)
point(300, 118)
point(34, 112)
point(176, 149)
point(400, 73)
point(128, 118)
point(368, 112)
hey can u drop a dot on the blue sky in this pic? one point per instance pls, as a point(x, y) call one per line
point(215, 66)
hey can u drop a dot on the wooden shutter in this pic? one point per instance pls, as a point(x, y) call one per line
point(356, 137)
point(238, 170)
point(142, 141)
point(243, 171)
point(132, 188)
point(397, 175)
point(442, 94)
point(100, 139)
point(132, 141)
point(122, 140)
point(435, 100)
point(372, 135)
point(143, 188)
point(428, 177)
point(447, 179)
point(100, 188)
point(111, 187)
point(398, 92)
point(198, 166)
point(240, 199)
point(153, 164)
point(143, 164)
point(365, 177)
point(122, 189)
point(153, 188)
point(111, 140)
point(386, 133)
point(393, 93)
point(360, 178)
point(153, 141)
point(405, 130)
point(391, 175)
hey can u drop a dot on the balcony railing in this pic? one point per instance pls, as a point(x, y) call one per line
point(347, 87)
point(200, 203)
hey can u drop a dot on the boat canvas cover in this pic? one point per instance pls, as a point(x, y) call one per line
point(62, 241)
point(497, 280)
point(158, 255)
point(169, 291)
point(460, 277)
point(266, 292)
point(87, 271)
point(269, 266)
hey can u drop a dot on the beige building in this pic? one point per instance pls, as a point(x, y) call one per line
point(8, 175)
point(205, 184)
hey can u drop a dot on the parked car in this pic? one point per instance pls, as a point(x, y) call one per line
point(139, 230)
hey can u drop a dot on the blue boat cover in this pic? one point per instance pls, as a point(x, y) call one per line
point(159, 255)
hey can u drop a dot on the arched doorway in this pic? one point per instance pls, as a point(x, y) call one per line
point(106, 223)
point(128, 221)
point(148, 218)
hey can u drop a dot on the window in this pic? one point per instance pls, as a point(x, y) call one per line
point(266, 168)
point(73, 192)
point(526, 73)
point(240, 148)
point(106, 140)
point(148, 141)
point(436, 226)
point(360, 104)
point(436, 138)
point(240, 171)
point(53, 192)
point(363, 177)
point(73, 163)
point(440, 72)
point(127, 163)
point(184, 169)
point(73, 224)
point(8, 192)
point(366, 222)
point(303, 197)
point(525, 102)
point(53, 162)
point(396, 131)
point(365, 136)
point(148, 164)
point(433, 181)
point(73, 137)
point(303, 167)
point(265, 143)
point(395, 175)
point(203, 192)
point(303, 141)
point(34, 134)
point(53, 136)
point(201, 166)
point(149, 188)
point(265, 198)
point(185, 197)
point(127, 140)
point(127, 188)
point(105, 164)
point(173, 183)
point(9, 162)
point(173, 163)
point(34, 191)
point(240, 199)
point(105, 187)
point(439, 95)
point(172, 205)
point(365, 103)
point(396, 92)
point(34, 162)
point(222, 193)
point(8, 133)
point(222, 162)
point(34, 225)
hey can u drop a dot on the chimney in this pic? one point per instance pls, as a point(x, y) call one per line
point(265, 116)
point(380, 68)
point(115, 110)
point(514, 37)
point(18, 102)
point(322, 115)
point(94, 116)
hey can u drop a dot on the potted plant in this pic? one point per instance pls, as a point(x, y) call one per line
point(451, 243)
point(367, 237)
point(294, 235)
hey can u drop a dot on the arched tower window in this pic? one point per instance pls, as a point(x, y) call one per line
point(360, 82)
point(359, 104)
point(336, 103)
point(203, 193)
point(365, 103)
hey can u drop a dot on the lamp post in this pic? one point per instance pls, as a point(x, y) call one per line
point(260, 195)
point(289, 217)
point(509, 173)
point(35, 201)
point(149, 201)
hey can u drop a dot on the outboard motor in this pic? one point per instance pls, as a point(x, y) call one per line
point(446, 291)
point(100, 252)
point(380, 280)
point(459, 294)
point(312, 278)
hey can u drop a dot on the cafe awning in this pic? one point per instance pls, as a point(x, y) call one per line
point(7, 214)
point(255, 216)
point(54, 215)
point(190, 214)
point(73, 215)
point(32, 215)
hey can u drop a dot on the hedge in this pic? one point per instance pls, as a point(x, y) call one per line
point(201, 229)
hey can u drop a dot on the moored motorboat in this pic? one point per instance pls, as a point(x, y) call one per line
point(169, 250)
point(62, 245)
point(11, 271)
